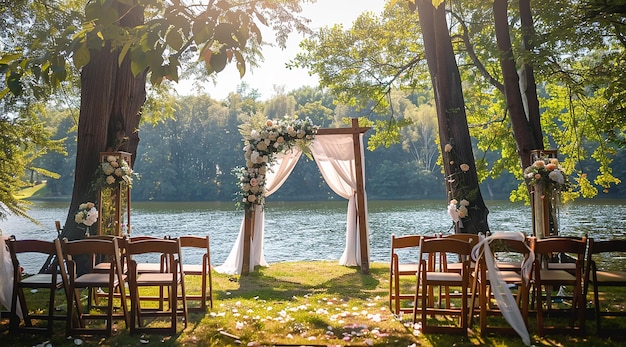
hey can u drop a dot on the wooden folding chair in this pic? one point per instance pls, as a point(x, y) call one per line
point(171, 278)
point(112, 280)
point(547, 278)
point(434, 275)
point(604, 276)
point(509, 255)
point(400, 248)
point(21, 249)
point(203, 270)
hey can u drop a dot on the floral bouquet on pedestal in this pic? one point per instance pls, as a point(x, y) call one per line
point(547, 173)
point(113, 171)
point(87, 215)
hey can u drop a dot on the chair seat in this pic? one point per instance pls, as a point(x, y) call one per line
point(408, 269)
point(94, 279)
point(444, 277)
point(193, 269)
point(152, 278)
point(41, 279)
point(562, 266)
point(608, 277)
point(105, 267)
point(509, 265)
point(148, 267)
point(560, 276)
point(507, 276)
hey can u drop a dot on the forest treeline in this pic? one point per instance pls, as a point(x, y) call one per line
point(191, 155)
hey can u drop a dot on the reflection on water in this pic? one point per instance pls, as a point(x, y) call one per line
point(316, 230)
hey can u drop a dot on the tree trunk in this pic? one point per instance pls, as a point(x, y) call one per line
point(525, 137)
point(530, 87)
point(452, 120)
point(110, 111)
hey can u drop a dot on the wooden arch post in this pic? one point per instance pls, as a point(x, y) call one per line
point(356, 132)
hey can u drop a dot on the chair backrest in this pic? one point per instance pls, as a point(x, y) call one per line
point(406, 241)
point(606, 247)
point(441, 248)
point(547, 246)
point(545, 249)
point(445, 244)
point(194, 241)
point(511, 247)
point(472, 239)
point(167, 249)
point(200, 242)
point(17, 247)
point(90, 247)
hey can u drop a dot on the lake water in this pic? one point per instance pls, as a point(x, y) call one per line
point(297, 231)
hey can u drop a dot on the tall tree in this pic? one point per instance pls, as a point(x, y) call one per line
point(456, 146)
point(566, 57)
point(119, 44)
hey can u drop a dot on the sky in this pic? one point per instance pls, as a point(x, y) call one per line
point(272, 72)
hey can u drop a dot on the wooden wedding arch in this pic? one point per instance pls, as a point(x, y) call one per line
point(356, 132)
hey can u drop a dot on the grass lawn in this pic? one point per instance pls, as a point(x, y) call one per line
point(299, 304)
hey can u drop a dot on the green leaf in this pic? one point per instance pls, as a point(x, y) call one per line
point(14, 84)
point(174, 39)
point(241, 63)
point(123, 52)
point(8, 58)
point(224, 34)
point(218, 60)
point(81, 56)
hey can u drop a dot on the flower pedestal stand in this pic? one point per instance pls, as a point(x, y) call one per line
point(114, 197)
point(540, 212)
point(543, 202)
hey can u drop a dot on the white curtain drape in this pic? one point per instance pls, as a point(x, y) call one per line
point(501, 292)
point(334, 155)
point(6, 278)
point(274, 179)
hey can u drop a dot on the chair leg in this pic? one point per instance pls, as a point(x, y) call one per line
point(596, 304)
point(51, 308)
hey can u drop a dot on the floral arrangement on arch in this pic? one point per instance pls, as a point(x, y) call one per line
point(113, 171)
point(548, 173)
point(263, 140)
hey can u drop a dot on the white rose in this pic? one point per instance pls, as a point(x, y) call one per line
point(92, 217)
point(252, 198)
point(462, 212)
point(111, 158)
point(254, 157)
point(119, 172)
point(453, 212)
point(110, 179)
point(82, 206)
point(107, 168)
point(78, 218)
point(557, 176)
